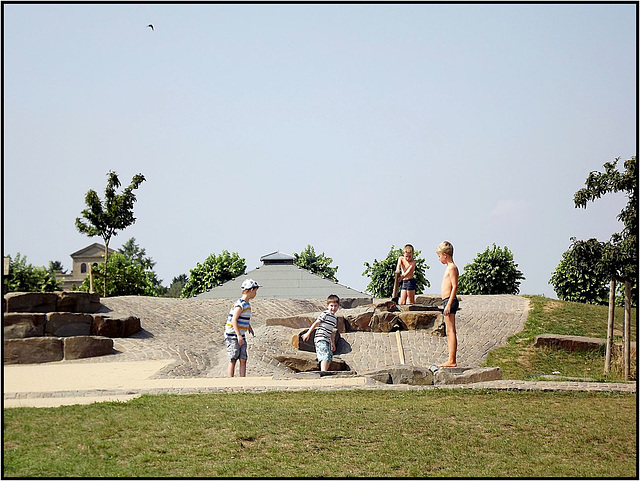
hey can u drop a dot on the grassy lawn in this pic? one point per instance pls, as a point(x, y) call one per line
point(520, 360)
point(332, 434)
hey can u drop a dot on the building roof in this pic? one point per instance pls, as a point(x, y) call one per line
point(92, 249)
point(277, 257)
point(283, 280)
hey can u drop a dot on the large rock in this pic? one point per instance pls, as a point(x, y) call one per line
point(18, 325)
point(79, 347)
point(32, 350)
point(305, 362)
point(466, 375)
point(386, 322)
point(31, 301)
point(108, 326)
point(569, 343)
point(65, 324)
point(421, 319)
point(401, 374)
point(78, 302)
point(429, 300)
point(301, 321)
point(309, 345)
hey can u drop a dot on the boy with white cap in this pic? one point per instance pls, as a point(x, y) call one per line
point(238, 323)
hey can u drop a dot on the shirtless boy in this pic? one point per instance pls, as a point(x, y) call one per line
point(448, 291)
point(405, 269)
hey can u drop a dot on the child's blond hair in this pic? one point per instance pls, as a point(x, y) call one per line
point(445, 247)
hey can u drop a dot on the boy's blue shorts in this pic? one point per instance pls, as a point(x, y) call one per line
point(323, 351)
point(409, 284)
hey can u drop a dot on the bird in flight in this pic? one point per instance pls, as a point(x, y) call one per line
point(150, 26)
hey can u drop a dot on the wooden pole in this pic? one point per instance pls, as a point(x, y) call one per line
point(400, 348)
point(90, 279)
point(627, 329)
point(612, 306)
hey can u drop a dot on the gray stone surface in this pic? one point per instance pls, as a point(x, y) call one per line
point(189, 332)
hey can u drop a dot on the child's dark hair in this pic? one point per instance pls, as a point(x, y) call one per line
point(333, 298)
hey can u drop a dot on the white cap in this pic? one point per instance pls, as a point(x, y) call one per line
point(249, 284)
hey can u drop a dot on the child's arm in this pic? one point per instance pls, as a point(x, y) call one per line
point(408, 274)
point(333, 340)
point(305, 336)
point(453, 277)
point(234, 321)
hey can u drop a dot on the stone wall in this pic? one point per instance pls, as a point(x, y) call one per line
point(54, 326)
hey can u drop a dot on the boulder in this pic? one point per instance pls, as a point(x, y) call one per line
point(301, 321)
point(32, 350)
point(79, 347)
point(569, 343)
point(466, 375)
point(78, 302)
point(31, 301)
point(303, 362)
point(18, 325)
point(64, 324)
point(429, 300)
point(401, 374)
point(309, 345)
point(386, 322)
point(420, 319)
point(108, 326)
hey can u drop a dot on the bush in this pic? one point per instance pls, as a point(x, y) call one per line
point(25, 277)
point(215, 270)
point(491, 272)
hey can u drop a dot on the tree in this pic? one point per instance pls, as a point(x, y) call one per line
point(619, 259)
point(491, 272)
point(127, 278)
point(106, 218)
point(177, 284)
point(25, 277)
point(318, 264)
point(382, 273)
point(214, 271)
point(579, 277)
point(137, 255)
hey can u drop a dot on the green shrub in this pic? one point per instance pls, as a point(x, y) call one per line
point(491, 272)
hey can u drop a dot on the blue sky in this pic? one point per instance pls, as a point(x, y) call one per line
point(348, 127)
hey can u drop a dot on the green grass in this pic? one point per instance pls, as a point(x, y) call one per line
point(521, 360)
point(468, 433)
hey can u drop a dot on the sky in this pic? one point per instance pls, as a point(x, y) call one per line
point(348, 127)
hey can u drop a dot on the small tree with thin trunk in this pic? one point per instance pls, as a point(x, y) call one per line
point(106, 218)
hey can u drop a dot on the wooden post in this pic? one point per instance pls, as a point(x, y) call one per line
point(90, 279)
point(627, 329)
point(400, 348)
point(612, 305)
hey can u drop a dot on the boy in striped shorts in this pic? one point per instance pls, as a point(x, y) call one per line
point(238, 323)
point(326, 326)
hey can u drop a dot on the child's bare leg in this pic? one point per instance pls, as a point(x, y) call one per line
point(324, 365)
point(232, 368)
point(243, 367)
point(452, 340)
point(411, 297)
point(403, 297)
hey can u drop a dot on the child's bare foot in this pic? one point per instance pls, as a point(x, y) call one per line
point(448, 364)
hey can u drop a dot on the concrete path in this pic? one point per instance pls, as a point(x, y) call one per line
point(181, 350)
